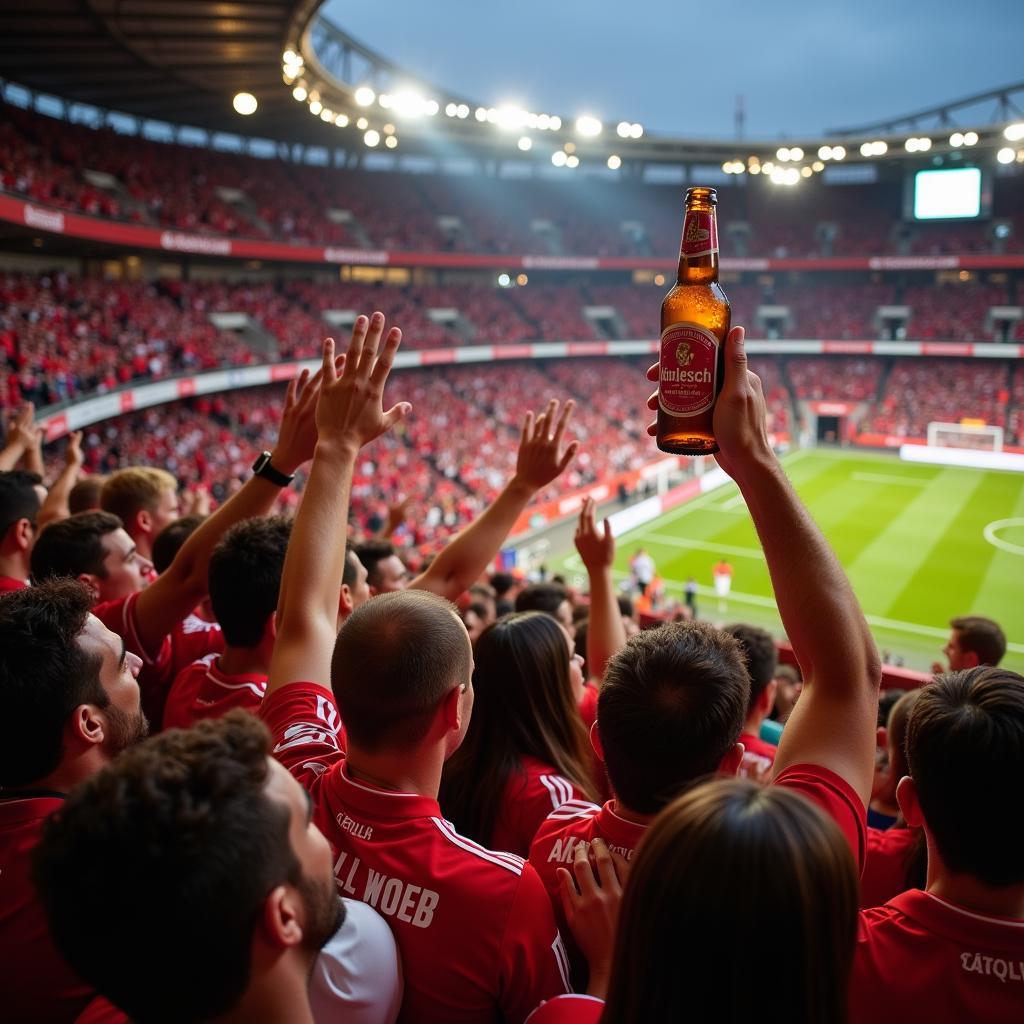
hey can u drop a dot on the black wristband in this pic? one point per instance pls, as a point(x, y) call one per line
point(262, 467)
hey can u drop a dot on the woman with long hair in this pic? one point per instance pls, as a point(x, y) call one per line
point(741, 905)
point(526, 751)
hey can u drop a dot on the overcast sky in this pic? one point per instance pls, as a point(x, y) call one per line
point(802, 66)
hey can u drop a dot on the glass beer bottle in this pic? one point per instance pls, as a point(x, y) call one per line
point(695, 318)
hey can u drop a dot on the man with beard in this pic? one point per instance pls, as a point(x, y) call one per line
point(69, 693)
point(201, 850)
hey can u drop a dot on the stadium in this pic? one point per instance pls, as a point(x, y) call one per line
point(194, 195)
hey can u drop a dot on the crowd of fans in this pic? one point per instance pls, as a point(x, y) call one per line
point(194, 189)
point(453, 794)
point(64, 337)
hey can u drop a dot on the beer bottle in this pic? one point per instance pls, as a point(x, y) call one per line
point(694, 323)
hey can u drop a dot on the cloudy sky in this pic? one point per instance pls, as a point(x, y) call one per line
point(802, 66)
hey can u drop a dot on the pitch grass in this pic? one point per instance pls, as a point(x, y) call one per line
point(911, 537)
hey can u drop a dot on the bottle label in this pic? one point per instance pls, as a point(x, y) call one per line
point(688, 370)
point(700, 234)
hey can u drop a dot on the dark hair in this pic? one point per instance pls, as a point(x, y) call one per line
point(18, 498)
point(73, 546)
point(370, 553)
point(625, 603)
point(523, 707)
point(85, 495)
point(502, 583)
point(672, 706)
point(887, 700)
point(965, 750)
point(760, 656)
point(168, 542)
point(396, 658)
point(245, 577)
point(45, 674)
point(580, 639)
point(727, 859)
point(981, 636)
point(177, 830)
point(541, 597)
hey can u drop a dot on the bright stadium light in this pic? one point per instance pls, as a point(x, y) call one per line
point(315, 107)
point(754, 169)
point(364, 96)
point(910, 145)
point(782, 153)
point(805, 172)
point(504, 280)
point(525, 143)
point(614, 162)
point(559, 158)
point(796, 153)
point(1014, 132)
point(866, 149)
point(463, 111)
point(289, 56)
point(924, 144)
point(881, 148)
point(372, 137)
point(971, 138)
point(636, 131)
point(389, 129)
point(555, 123)
point(299, 93)
point(431, 107)
point(623, 128)
point(341, 120)
point(838, 153)
point(825, 153)
point(326, 114)
point(244, 103)
point(1006, 155)
point(451, 109)
point(767, 167)
point(818, 166)
point(391, 141)
point(362, 124)
point(572, 161)
point(588, 126)
point(956, 140)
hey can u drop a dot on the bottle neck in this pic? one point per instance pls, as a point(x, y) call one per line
point(698, 249)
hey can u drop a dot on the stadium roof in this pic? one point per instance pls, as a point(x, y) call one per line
point(174, 60)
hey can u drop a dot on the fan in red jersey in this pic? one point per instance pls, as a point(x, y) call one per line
point(761, 657)
point(245, 579)
point(156, 620)
point(475, 927)
point(145, 499)
point(526, 751)
point(239, 900)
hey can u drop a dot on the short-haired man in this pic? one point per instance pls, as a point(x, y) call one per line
point(156, 621)
point(226, 910)
point(145, 499)
point(475, 928)
point(761, 658)
point(955, 950)
point(675, 701)
point(973, 640)
point(21, 497)
point(85, 495)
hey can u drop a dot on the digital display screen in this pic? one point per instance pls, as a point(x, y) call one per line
point(947, 194)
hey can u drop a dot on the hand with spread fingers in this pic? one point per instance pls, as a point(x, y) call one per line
point(541, 457)
point(595, 547)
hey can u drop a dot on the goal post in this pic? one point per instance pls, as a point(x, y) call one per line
point(972, 436)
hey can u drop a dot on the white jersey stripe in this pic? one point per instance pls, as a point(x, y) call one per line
point(562, 959)
point(507, 861)
point(510, 858)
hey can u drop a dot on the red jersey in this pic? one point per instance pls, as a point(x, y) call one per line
point(568, 1010)
point(529, 797)
point(475, 928)
point(555, 844)
point(836, 797)
point(8, 583)
point(588, 705)
point(922, 958)
point(203, 691)
point(885, 872)
point(758, 757)
point(36, 982)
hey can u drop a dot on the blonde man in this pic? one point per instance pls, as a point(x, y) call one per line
point(145, 499)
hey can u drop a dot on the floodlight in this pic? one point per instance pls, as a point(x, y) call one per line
point(372, 137)
point(1006, 156)
point(364, 96)
point(525, 143)
point(614, 162)
point(588, 126)
point(559, 157)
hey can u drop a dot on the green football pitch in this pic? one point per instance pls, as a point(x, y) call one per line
point(921, 544)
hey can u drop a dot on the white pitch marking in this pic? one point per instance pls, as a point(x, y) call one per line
point(989, 533)
point(703, 545)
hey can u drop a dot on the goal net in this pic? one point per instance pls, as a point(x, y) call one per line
point(972, 435)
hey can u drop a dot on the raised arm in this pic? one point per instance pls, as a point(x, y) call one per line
point(55, 507)
point(541, 459)
point(606, 633)
point(176, 592)
point(20, 435)
point(833, 724)
point(349, 414)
